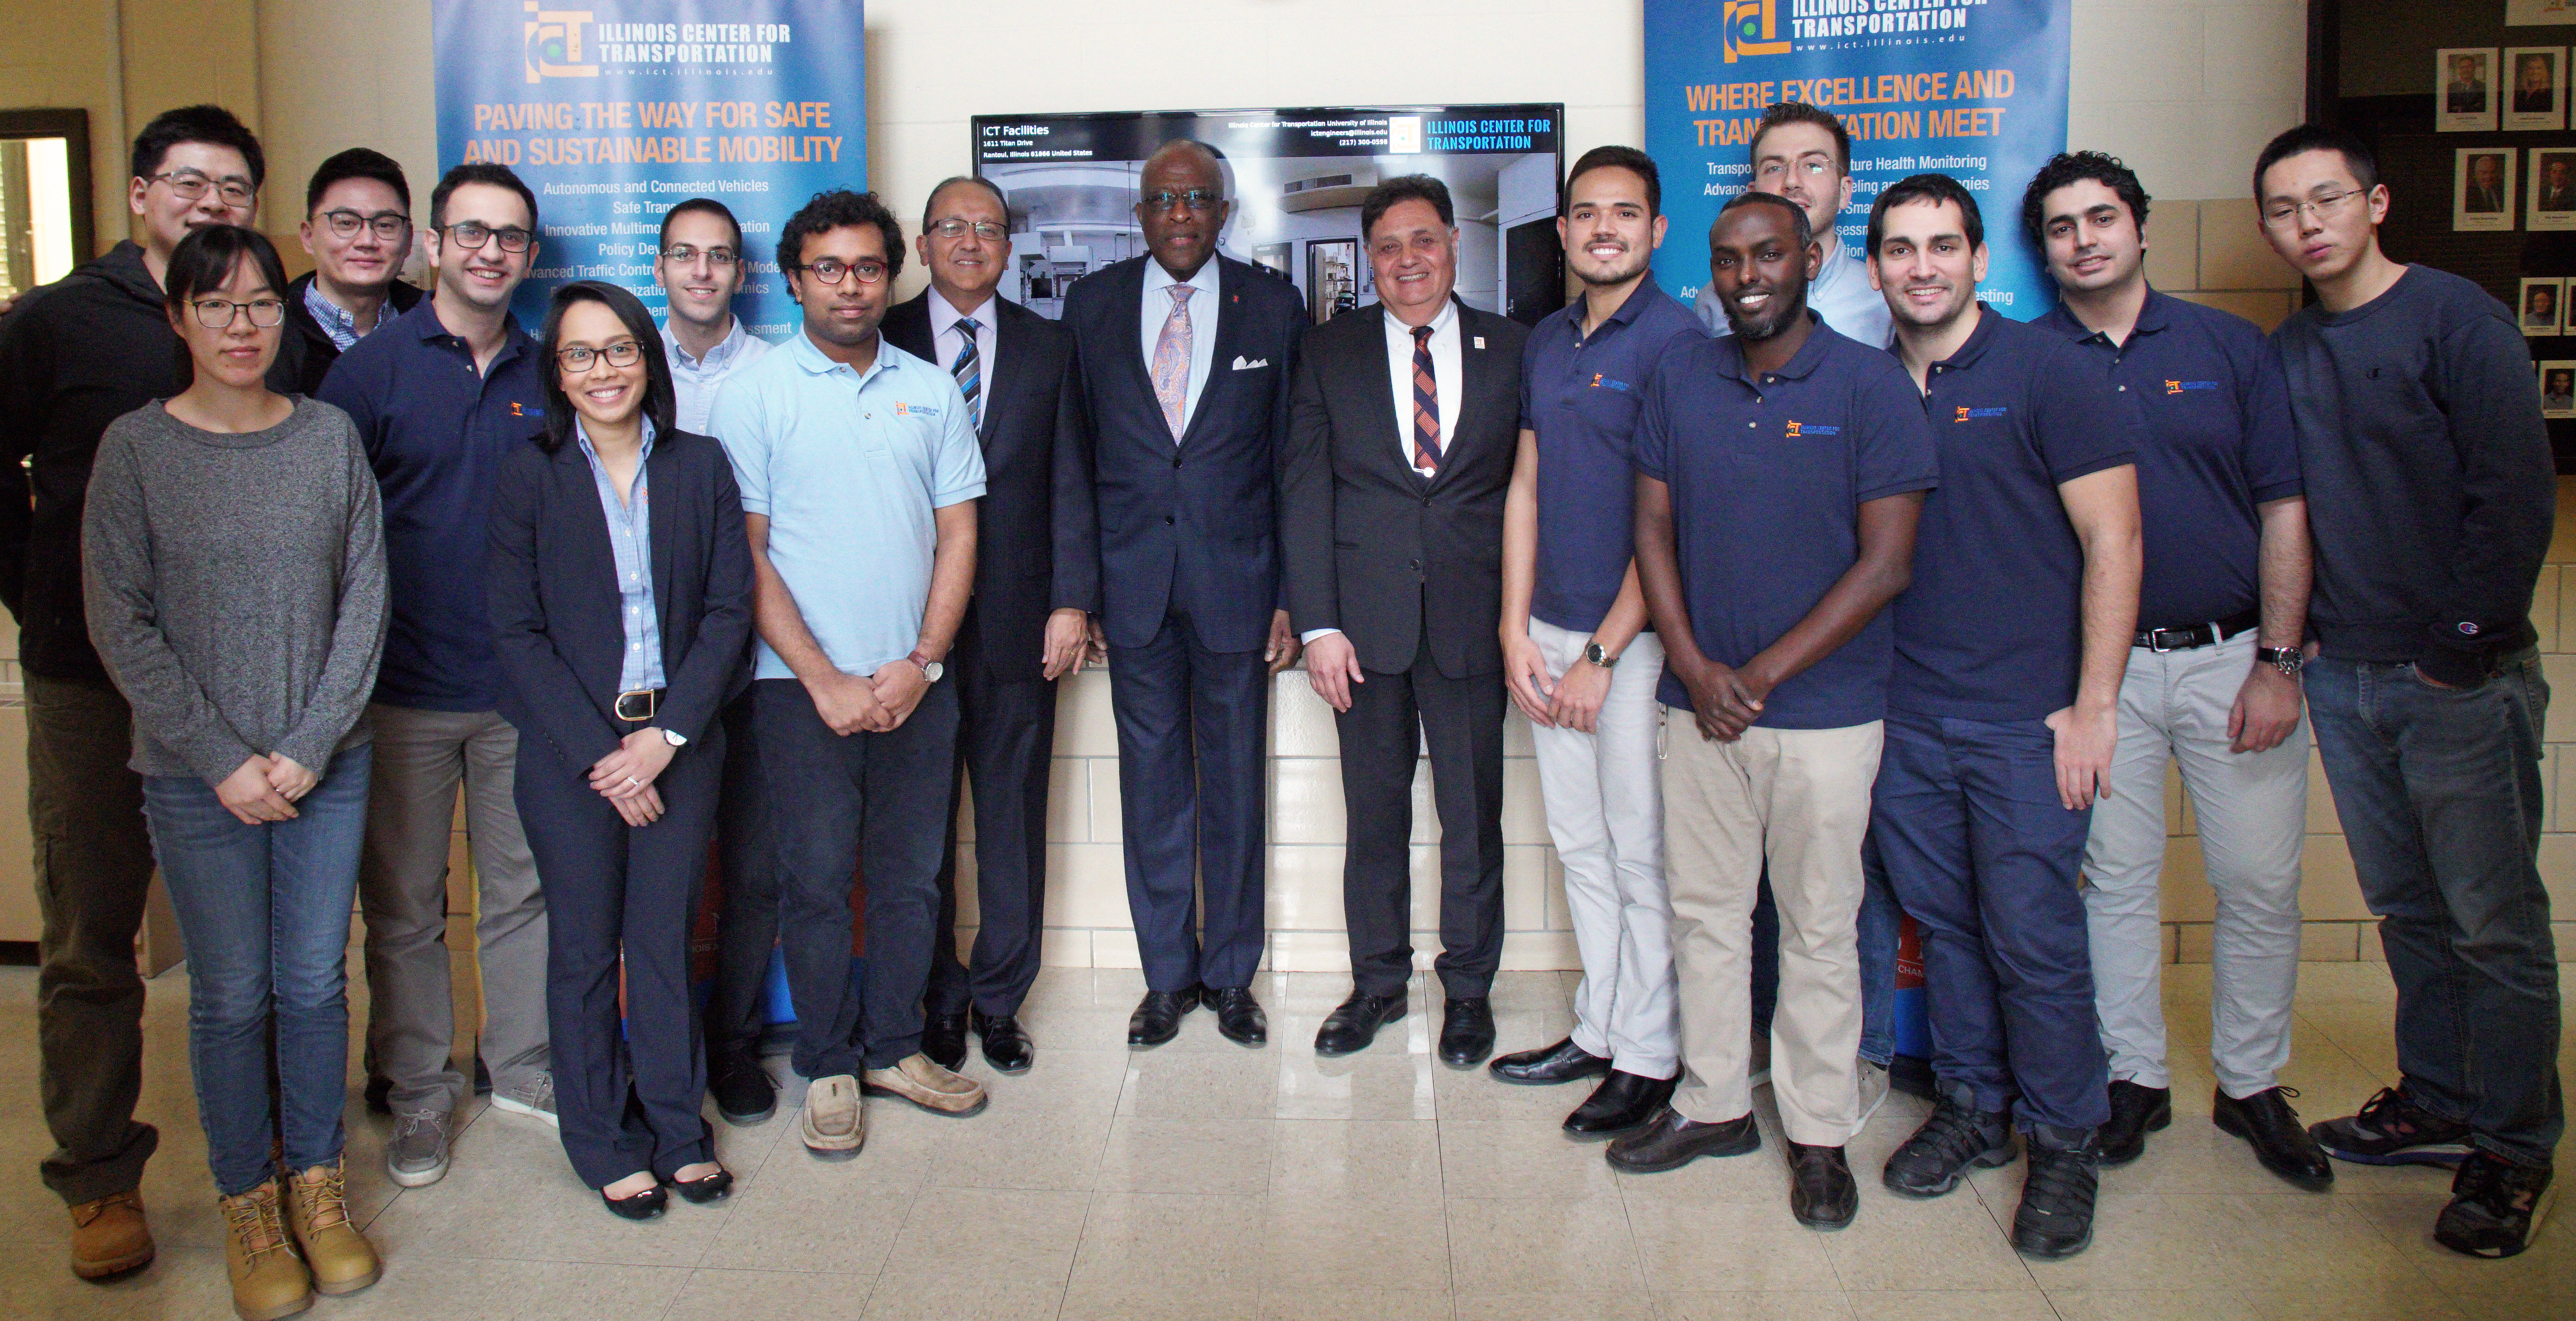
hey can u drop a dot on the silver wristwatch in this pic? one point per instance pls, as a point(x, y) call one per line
point(2288, 660)
point(675, 738)
point(1592, 652)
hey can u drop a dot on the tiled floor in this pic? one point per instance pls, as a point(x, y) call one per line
point(1205, 1182)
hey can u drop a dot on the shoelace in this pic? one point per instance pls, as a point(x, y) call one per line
point(327, 1197)
point(2384, 1112)
point(541, 1093)
point(2058, 1176)
point(1951, 1134)
point(100, 1207)
point(255, 1220)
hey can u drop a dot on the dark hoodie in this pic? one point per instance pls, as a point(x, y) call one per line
point(75, 355)
point(308, 350)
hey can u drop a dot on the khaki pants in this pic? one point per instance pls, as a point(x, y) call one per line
point(1800, 798)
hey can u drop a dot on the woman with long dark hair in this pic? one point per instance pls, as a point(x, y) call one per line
point(233, 566)
point(620, 590)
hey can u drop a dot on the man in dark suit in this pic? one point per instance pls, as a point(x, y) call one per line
point(1403, 426)
point(1184, 360)
point(2467, 94)
point(2557, 193)
point(1037, 580)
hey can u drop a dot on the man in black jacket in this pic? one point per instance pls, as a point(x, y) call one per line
point(357, 226)
point(2431, 499)
point(1404, 423)
point(74, 356)
point(1037, 580)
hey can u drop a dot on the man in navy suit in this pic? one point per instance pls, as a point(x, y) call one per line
point(1037, 583)
point(1184, 358)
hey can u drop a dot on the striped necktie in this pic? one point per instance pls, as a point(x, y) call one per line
point(1426, 406)
point(969, 371)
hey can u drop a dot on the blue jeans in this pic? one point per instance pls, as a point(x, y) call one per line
point(1981, 851)
point(264, 911)
point(2439, 791)
point(1879, 919)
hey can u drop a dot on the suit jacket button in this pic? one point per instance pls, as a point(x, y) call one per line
point(1167, 520)
point(1417, 566)
point(1176, 460)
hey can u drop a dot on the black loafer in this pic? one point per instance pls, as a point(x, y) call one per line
point(2267, 1123)
point(1669, 1142)
point(943, 1039)
point(1466, 1031)
point(1562, 1062)
point(640, 1206)
point(1238, 1016)
point(1821, 1192)
point(1354, 1023)
point(1158, 1017)
point(2136, 1111)
point(742, 1090)
point(706, 1187)
point(1006, 1043)
point(1623, 1103)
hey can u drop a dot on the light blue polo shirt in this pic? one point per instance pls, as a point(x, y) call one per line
point(848, 467)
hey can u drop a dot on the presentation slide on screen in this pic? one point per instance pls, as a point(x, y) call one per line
point(1297, 177)
point(618, 110)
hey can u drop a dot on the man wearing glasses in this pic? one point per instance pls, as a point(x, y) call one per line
point(1037, 582)
point(439, 396)
point(357, 226)
point(860, 475)
point(700, 270)
point(75, 356)
point(1185, 357)
point(2431, 501)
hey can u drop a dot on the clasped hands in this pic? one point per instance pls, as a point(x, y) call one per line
point(265, 788)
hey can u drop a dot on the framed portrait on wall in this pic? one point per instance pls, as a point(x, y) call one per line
point(2464, 90)
point(2558, 388)
point(2535, 95)
point(2539, 310)
point(2482, 188)
point(2552, 204)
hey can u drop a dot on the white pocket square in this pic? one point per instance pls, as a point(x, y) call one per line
point(1242, 366)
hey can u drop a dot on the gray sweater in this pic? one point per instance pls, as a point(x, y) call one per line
point(236, 587)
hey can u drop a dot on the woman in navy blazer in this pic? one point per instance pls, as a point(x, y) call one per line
point(620, 591)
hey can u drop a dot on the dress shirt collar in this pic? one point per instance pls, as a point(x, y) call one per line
point(944, 314)
point(1800, 364)
point(336, 321)
point(581, 435)
point(1441, 324)
point(1205, 282)
point(734, 338)
point(814, 360)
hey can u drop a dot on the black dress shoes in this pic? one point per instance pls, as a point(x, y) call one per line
point(1821, 1192)
point(1238, 1016)
point(1623, 1103)
point(706, 1187)
point(1006, 1043)
point(943, 1039)
point(1354, 1023)
point(1466, 1031)
point(1669, 1142)
point(2266, 1121)
point(1158, 1017)
point(2135, 1112)
point(637, 1206)
point(742, 1090)
point(1562, 1062)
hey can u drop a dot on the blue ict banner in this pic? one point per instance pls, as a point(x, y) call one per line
point(1970, 88)
point(615, 110)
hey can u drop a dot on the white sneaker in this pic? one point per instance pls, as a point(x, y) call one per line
point(1873, 1092)
point(1758, 1063)
point(534, 1098)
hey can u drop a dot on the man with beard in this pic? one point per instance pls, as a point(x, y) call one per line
point(859, 474)
point(2006, 685)
point(440, 396)
point(1780, 474)
point(1804, 154)
point(1577, 654)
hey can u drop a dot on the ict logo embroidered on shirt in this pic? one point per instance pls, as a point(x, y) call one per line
point(1966, 414)
point(1601, 382)
point(1797, 429)
point(2177, 387)
point(902, 409)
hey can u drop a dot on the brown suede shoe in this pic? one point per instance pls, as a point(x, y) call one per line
point(317, 1211)
point(109, 1237)
point(920, 1080)
point(269, 1279)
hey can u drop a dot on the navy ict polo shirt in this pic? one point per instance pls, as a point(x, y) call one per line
point(2218, 442)
point(436, 431)
point(1992, 627)
point(1581, 396)
point(1768, 473)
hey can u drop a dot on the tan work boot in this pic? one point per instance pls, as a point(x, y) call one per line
point(109, 1236)
point(269, 1279)
point(317, 1210)
point(919, 1079)
point(834, 1128)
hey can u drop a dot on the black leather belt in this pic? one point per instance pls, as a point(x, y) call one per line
point(639, 705)
point(2184, 637)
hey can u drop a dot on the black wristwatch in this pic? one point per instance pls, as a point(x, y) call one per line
point(1592, 652)
point(2288, 660)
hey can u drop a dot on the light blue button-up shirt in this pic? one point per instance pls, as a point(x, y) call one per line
point(630, 538)
point(849, 467)
point(335, 320)
point(694, 380)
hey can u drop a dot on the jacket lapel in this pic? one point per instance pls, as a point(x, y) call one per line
point(1229, 335)
point(661, 521)
point(1476, 372)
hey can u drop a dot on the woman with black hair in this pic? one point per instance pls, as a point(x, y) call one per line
point(233, 566)
point(620, 590)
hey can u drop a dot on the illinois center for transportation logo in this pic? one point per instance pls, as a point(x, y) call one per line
point(553, 46)
point(1753, 28)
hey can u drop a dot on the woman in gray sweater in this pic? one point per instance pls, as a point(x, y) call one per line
point(234, 573)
